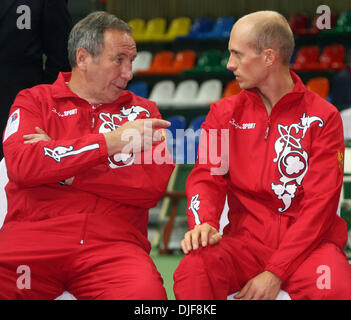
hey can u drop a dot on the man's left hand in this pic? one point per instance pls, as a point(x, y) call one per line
point(40, 135)
point(264, 286)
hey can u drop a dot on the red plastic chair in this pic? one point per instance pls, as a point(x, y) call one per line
point(231, 89)
point(313, 29)
point(161, 61)
point(306, 58)
point(298, 22)
point(333, 57)
point(319, 85)
point(183, 60)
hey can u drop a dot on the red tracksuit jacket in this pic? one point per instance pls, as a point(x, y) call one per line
point(285, 174)
point(102, 184)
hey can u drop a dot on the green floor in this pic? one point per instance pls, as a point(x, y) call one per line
point(166, 265)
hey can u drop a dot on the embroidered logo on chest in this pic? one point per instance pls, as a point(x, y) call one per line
point(291, 159)
point(65, 113)
point(111, 122)
point(244, 126)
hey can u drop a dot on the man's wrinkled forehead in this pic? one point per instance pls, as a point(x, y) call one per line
point(119, 41)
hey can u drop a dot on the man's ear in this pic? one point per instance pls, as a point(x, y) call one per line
point(270, 56)
point(82, 58)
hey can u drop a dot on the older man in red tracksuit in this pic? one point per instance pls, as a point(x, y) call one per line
point(78, 201)
point(283, 180)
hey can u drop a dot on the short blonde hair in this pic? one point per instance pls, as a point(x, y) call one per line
point(274, 34)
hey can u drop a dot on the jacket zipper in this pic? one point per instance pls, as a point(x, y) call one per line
point(278, 233)
point(82, 238)
point(268, 128)
point(93, 107)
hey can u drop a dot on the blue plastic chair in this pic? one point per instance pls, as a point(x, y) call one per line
point(192, 145)
point(200, 26)
point(196, 123)
point(174, 143)
point(177, 122)
point(185, 148)
point(221, 29)
point(139, 88)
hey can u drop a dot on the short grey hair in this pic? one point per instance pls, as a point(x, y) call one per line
point(88, 33)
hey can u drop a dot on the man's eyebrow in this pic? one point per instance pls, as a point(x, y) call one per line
point(122, 54)
point(234, 50)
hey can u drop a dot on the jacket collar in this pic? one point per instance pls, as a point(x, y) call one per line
point(298, 90)
point(60, 89)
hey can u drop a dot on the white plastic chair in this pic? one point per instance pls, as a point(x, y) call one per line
point(210, 91)
point(347, 178)
point(346, 119)
point(162, 93)
point(142, 61)
point(3, 210)
point(185, 93)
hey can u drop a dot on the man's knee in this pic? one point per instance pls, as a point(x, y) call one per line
point(196, 275)
point(149, 289)
point(192, 263)
point(147, 285)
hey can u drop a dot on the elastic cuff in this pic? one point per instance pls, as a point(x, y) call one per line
point(277, 271)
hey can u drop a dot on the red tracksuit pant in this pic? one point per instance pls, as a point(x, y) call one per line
point(39, 260)
point(214, 272)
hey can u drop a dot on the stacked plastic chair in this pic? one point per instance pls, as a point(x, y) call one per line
point(207, 62)
point(222, 67)
point(162, 93)
point(178, 27)
point(195, 124)
point(209, 91)
point(142, 61)
point(138, 27)
point(231, 89)
point(298, 22)
point(192, 138)
point(161, 60)
point(200, 26)
point(154, 28)
point(313, 28)
point(306, 57)
point(185, 94)
point(221, 29)
point(184, 60)
point(343, 25)
point(346, 119)
point(175, 137)
point(319, 85)
point(139, 88)
point(331, 58)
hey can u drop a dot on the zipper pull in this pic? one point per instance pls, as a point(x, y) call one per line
point(267, 129)
point(93, 107)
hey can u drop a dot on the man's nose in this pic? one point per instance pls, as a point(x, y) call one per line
point(127, 73)
point(231, 64)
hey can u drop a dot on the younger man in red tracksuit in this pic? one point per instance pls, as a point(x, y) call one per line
point(77, 200)
point(284, 174)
